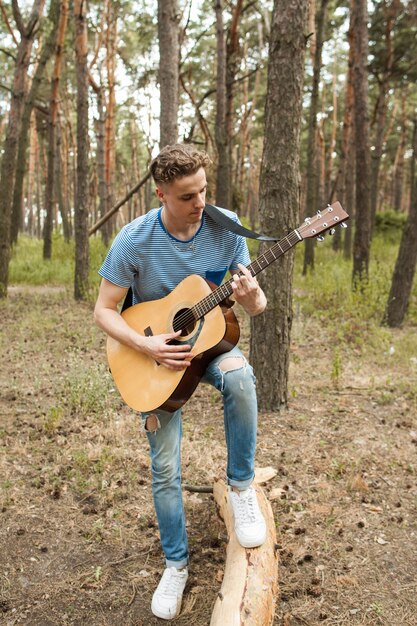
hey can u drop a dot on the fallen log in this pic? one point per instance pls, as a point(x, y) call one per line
point(250, 583)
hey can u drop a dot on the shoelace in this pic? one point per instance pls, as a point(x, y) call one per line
point(246, 508)
point(171, 582)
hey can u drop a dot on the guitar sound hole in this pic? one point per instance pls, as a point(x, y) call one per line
point(184, 321)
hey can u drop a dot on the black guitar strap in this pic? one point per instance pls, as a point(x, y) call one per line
point(222, 219)
point(226, 222)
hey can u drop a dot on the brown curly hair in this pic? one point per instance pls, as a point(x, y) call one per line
point(177, 161)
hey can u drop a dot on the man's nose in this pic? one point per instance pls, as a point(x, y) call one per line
point(200, 201)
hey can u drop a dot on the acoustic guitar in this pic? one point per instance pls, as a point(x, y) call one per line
point(202, 312)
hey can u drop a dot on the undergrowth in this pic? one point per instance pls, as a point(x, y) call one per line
point(325, 293)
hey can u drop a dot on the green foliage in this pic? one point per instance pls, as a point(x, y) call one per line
point(390, 223)
point(28, 267)
point(352, 317)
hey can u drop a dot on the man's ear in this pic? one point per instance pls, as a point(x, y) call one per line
point(160, 194)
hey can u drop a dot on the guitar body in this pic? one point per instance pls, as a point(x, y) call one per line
point(144, 384)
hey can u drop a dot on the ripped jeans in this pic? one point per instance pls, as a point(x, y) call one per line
point(237, 387)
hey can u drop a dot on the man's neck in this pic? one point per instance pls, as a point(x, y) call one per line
point(183, 232)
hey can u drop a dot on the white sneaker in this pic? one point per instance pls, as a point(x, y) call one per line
point(166, 601)
point(250, 525)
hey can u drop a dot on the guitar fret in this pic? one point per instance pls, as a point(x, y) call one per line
point(223, 291)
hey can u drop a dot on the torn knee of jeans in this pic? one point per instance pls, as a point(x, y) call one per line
point(152, 423)
point(232, 363)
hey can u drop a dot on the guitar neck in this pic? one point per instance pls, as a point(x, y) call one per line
point(262, 262)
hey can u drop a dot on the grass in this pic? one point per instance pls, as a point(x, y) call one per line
point(326, 292)
point(75, 492)
point(28, 266)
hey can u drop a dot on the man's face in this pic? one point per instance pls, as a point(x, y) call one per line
point(184, 198)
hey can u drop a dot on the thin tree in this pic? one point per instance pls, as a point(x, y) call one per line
point(81, 197)
point(384, 78)
point(110, 113)
point(312, 160)
point(279, 196)
point(168, 34)
point(8, 164)
point(223, 178)
point(46, 53)
point(52, 137)
point(362, 238)
point(405, 266)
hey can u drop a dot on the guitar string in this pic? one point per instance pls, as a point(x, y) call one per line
point(211, 300)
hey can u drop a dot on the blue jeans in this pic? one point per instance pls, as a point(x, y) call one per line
point(237, 387)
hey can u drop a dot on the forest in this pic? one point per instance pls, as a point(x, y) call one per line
point(300, 104)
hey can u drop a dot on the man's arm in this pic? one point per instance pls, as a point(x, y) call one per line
point(248, 292)
point(107, 317)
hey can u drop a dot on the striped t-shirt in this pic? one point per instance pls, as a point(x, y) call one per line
point(147, 258)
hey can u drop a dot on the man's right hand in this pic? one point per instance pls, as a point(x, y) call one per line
point(171, 355)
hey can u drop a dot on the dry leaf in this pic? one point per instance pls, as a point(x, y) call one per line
point(263, 474)
point(277, 494)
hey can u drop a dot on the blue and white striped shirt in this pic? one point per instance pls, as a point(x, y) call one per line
point(147, 258)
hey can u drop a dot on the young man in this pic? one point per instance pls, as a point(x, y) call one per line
point(152, 255)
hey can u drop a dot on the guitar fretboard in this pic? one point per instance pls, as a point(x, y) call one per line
point(262, 262)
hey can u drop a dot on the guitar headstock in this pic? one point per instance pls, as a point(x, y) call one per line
point(325, 220)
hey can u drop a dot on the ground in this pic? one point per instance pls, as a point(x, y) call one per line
point(78, 536)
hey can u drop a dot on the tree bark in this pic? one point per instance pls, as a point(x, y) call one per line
point(168, 34)
point(362, 238)
point(223, 177)
point(110, 114)
point(381, 106)
point(52, 139)
point(398, 169)
point(8, 163)
point(345, 161)
point(280, 196)
point(81, 197)
point(312, 157)
point(46, 54)
point(249, 587)
point(405, 266)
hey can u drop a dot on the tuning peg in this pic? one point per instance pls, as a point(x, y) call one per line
point(320, 238)
point(332, 231)
point(343, 225)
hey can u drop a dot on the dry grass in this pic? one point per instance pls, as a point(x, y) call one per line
point(78, 538)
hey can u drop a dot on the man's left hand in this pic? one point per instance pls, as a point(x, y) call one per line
point(247, 291)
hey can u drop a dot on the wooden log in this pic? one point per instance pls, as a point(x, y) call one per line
point(250, 583)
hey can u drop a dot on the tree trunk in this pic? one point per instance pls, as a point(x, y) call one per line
point(362, 239)
point(110, 115)
point(279, 197)
point(398, 170)
point(381, 107)
point(233, 59)
point(223, 177)
point(9, 157)
point(312, 160)
point(168, 33)
point(52, 139)
point(33, 149)
point(46, 54)
point(345, 160)
point(405, 266)
point(249, 587)
point(81, 197)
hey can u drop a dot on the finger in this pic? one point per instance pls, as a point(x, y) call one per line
point(176, 365)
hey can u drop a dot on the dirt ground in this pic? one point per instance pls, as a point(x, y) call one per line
point(78, 536)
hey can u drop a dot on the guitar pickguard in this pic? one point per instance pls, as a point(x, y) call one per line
point(190, 339)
